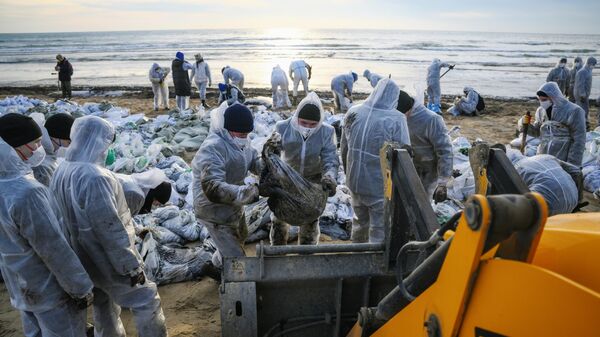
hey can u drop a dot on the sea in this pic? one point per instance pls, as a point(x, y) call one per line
point(507, 65)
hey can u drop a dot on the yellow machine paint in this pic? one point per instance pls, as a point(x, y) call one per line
point(554, 290)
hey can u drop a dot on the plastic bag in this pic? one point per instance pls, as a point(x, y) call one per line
point(292, 198)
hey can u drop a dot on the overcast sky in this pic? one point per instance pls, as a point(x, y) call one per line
point(549, 16)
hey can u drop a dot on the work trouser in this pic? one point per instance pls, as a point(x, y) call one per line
point(65, 87)
point(202, 89)
point(142, 300)
point(229, 239)
point(239, 84)
point(427, 172)
point(367, 224)
point(276, 103)
point(183, 102)
point(66, 320)
point(297, 79)
point(279, 234)
point(434, 93)
point(339, 100)
point(161, 95)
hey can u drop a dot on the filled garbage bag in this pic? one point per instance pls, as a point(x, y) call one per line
point(292, 198)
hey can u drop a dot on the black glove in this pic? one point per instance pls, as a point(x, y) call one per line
point(140, 278)
point(329, 185)
point(440, 194)
point(84, 302)
point(273, 145)
point(452, 66)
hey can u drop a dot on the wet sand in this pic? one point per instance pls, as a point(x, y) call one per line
point(192, 308)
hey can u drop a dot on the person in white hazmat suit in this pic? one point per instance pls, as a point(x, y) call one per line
point(202, 78)
point(55, 139)
point(373, 78)
point(341, 87)
point(577, 65)
point(560, 183)
point(559, 124)
point(157, 76)
point(279, 81)
point(431, 146)
point(144, 190)
point(366, 128)
point(466, 105)
point(434, 89)
point(102, 232)
point(220, 167)
point(583, 86)
point(298, 73)
point(560, 75)
point(43, 276)
point(309, 147)
point(233, 76)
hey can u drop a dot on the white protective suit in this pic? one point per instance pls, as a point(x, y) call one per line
point(560, 75)
point(314, 157)
point(102, 232)
point(202, 78)
point(553, 179)
point(373, 78)
point(233, 76)
point(466, 105)
point(41, 272)
point(298, 73)
point(43, 172)
point(157, 76)
point(366, 128)
point(219, 168)
point(137, 185)
point(583, 86)
point(434, 90)
point(340, 86)
point(432, 147)
point(577, 65)
point(279, 81)
point(562, 130)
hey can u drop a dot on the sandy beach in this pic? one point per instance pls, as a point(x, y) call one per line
point(192, 308)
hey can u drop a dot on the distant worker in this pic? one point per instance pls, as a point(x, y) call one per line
point(309, 147)
point(298, 72)
point(144, 190)
point(431, 146)
point(471, 104)
point(181, 80)
point(366, 128)
point(434, 90)
point(44, 278)
point(373, 78)
point(102, 234)
point(231, 94)
point(57, 137)
point(560, 125)
point(583, 86)
point(233, 76)
point(202, 78)
point(577, 65)
point(65, 71)
point(220, 167)
point(279, 82)
point(560, 183)
point(160, 88)
point(341, 87)
point(560, 75)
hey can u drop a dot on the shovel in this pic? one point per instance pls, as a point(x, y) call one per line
point(526, 122)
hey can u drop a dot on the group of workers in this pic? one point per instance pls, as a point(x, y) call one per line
point(66, 231)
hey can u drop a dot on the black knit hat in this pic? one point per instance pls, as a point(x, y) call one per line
point(161, 193)
point(17, 129)
point(238, 118)
point(541, 94)
point(405, 102)
point(310, 112)
point(59, 126)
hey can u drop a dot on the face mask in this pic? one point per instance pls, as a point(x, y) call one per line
point(111, 157)
point(562, 65)
point(577, 64)
point(37, 157)
point(546, 104)
point(240, 142)
point(304, 131)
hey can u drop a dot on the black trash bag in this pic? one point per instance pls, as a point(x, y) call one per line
point(292, 198)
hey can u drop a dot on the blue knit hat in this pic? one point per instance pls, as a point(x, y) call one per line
point(238, 118)
point(222, 87)
point(179, 55)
